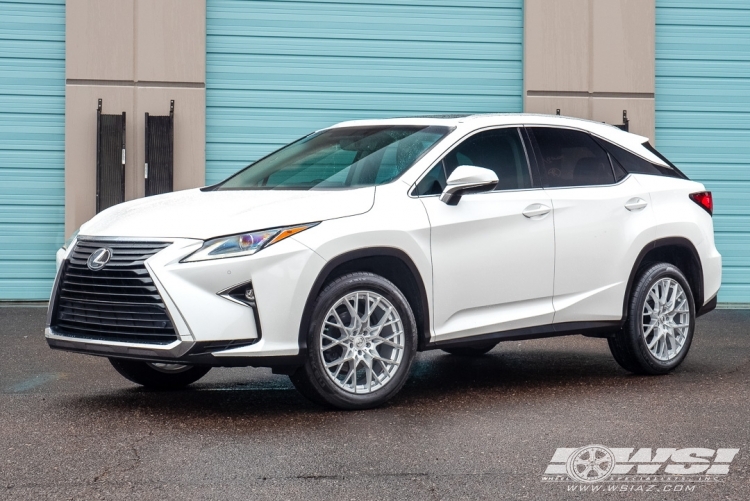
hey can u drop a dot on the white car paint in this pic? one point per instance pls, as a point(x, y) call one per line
point(495, 262)
point(204, 215)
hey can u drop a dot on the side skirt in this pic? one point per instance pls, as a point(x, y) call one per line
point(592, 329)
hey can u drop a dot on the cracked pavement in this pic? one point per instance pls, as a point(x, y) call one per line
point(483, 428)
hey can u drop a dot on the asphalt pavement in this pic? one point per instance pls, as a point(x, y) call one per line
point(462, 428)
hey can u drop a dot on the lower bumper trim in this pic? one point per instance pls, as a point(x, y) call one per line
point(196, 353)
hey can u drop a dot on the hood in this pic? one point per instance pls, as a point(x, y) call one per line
point(204, 215)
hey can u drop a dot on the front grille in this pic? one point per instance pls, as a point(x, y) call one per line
point(116, 303)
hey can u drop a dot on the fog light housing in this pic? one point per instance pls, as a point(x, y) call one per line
point(243, 294)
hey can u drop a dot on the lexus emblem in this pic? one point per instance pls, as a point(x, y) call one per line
point(98, 259)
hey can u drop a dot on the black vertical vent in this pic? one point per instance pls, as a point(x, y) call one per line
point(158, 170)
point(110, 159)
point(625, 122)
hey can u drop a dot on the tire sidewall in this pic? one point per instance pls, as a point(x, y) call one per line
point(315, 367)
point(635, 317)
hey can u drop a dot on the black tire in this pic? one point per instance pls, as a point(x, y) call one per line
point(313, 380)
point(471, 351)
point(628, 346)
point(150, 376)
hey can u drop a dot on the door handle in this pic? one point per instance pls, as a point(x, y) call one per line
point(636, 203)
point(535, 210)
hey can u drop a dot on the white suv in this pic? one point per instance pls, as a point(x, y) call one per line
point(338, 257)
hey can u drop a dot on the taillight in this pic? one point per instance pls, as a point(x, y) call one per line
point(705, 200)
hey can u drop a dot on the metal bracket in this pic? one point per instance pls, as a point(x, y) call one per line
point(625, 122)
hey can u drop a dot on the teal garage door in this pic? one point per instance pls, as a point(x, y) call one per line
point(703, 116)
point(276, 70)
point(32, 145)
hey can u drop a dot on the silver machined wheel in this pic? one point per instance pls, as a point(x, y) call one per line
point(362, 342)
point(666, 319)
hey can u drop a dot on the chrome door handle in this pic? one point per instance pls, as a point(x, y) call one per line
point(535, 210)
point(636, 203)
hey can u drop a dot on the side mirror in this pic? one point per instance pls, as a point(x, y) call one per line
point(466, 179)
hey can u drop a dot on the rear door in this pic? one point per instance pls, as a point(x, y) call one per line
point(492, 265)
point(600, 216)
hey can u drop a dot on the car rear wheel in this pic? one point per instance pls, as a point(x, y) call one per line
point(361, 342)
point(159, 376)
point(471, 351)
point(659, 328)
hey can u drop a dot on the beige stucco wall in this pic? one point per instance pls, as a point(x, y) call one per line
point(136, 55)
point(591, 59)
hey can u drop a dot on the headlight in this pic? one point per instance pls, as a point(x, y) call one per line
point(69, 241)
point(243, 244)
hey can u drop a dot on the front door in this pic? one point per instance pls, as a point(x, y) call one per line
point(493, 253)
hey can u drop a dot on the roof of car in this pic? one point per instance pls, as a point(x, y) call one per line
point(606, 131)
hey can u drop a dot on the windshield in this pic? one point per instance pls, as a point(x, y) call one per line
point(340, 158)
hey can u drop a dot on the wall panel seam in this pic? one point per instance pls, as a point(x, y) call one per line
point(130, 83)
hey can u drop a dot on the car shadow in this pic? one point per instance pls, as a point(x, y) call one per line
point(436, 380)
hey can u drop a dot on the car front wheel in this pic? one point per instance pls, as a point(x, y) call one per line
point(660, 322)
point(361, 342)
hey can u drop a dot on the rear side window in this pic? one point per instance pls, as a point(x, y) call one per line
point(675, 171)
point(499, 150)
point(571, 158)
point(634, 164)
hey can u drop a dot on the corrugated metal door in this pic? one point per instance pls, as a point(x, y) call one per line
point(703, 116)
point(276, 70)
point(32, 145)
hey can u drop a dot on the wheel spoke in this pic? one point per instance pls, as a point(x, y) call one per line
point(334, 342)
point(338, 361)
point(352, 309)
point(649, 328)
point(371, 308)
point(386, 342)
point(653, 342)
point(368, 373)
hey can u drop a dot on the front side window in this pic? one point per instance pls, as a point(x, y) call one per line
point(499, 150)
point(342, 157)
point(571, 158)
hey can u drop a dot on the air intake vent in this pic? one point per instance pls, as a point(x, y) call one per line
point(118, 302)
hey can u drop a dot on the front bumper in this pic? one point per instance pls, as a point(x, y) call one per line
point(210, 328)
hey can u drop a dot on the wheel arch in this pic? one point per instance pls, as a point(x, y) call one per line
point(678, 251)
point(390, 263)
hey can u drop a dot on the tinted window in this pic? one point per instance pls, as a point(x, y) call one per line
point(499, 150)
point(672, 170)
point(339, 158)
point(571, 158)
point(628, 161)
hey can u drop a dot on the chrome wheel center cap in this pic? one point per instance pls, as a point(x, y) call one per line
point(359, 342)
